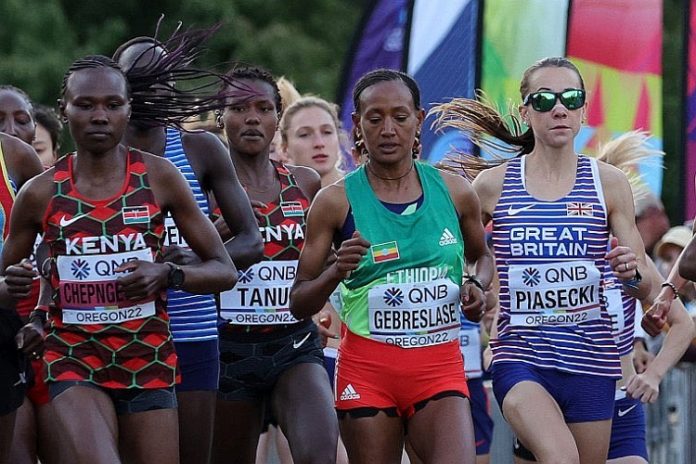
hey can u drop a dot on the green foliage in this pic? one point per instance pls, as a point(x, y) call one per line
point(304, 40)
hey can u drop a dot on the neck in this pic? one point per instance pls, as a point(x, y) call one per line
point(390, 173)
point(253, 170)
point(152, 140)
point(553, 162)
point(99, 165)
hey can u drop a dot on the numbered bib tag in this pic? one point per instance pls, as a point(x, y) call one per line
point(414, 315)
point(89, 292)
point(261, 296)
point(554, 294)
point(172, 235)
point(470, 346)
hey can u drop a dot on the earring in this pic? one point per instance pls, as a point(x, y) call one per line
point(218, 120)
point(360, 145)
point(415, 151)
point(64, 120)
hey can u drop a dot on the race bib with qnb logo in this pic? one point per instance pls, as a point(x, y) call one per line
point(563, 293)
point(89, 292)
point(172, 235)
point(470, 346)
point(261, 296)
point(412, 315)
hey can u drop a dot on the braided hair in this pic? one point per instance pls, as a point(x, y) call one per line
point(190, 91)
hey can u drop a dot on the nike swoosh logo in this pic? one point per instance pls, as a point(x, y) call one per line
point(514, 211)
point(626, 411)
point(66, 223)
point(296, 345)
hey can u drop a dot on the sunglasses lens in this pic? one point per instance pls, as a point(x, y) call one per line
point(573, 99)
point(543, 101)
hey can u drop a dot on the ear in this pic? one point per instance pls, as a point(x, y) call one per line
point(61, 110)
point(421, 117)
point(524, 113)
point(356, 120)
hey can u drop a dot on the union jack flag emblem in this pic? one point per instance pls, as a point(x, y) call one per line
point(579, 209)
point(393, 297)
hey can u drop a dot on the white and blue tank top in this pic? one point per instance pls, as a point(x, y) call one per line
point(192, 317)
point(551, 265)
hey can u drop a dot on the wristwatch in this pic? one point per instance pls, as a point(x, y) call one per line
point(176, 276)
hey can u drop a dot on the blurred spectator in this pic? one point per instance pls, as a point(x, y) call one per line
point(667, 250)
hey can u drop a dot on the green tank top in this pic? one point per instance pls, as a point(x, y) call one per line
point(405, 291)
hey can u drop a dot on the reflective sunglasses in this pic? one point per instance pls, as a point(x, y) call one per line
point(545, 101)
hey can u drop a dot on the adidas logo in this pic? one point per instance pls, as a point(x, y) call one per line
point(447, 238)
point(349, 393)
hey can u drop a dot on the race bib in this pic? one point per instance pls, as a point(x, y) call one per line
point(261, 296)
point(554, 294)
point(89, 292)
point(615, 309)
point(172, 235)
point(413, 315)
point(470, 346)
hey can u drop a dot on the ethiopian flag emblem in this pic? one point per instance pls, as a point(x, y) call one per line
point(384, 252)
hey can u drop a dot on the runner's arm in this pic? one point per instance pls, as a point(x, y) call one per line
point(215, 272)
point(315, 281)
point(245, 247)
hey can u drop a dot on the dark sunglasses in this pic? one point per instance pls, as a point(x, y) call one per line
point(544, 101)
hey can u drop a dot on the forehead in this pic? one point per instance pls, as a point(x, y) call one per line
point(95, 83)
point(262, 91)
point(12, 101)
point(387, 94)
point(310, 116)
point(553, 78)
point(140, 54)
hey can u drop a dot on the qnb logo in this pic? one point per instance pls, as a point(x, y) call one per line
point(530, 277)
point(393, 297)
point(246, 276)
point(80, 269)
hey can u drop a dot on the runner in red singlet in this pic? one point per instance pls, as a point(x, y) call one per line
point(110, 360)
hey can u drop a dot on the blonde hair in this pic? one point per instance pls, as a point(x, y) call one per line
point(288, 92)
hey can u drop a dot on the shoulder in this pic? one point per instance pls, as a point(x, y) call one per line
point(610, 173)
point(157, 166)
point(332, 204)
point(37, 191)
point(22, 161)
point(201, 142)
point(490, 181)
point(456, 184)
point(307, 178)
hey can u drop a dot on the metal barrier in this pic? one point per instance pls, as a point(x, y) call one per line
point(671, 420)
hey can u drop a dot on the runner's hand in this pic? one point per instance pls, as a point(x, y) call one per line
point(18, 279)
point(473, 301)
point(622, 260)
point(143, 280)
point(180, 256)
point(30, 339)
point(350, 254)
point(323, 321)
point(655, 318)
point(645, 387)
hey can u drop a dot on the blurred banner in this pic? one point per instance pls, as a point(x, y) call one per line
point(378, 43)
point(690, 155)
point(515, 35)
point(442, 56)
point(618, 48)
